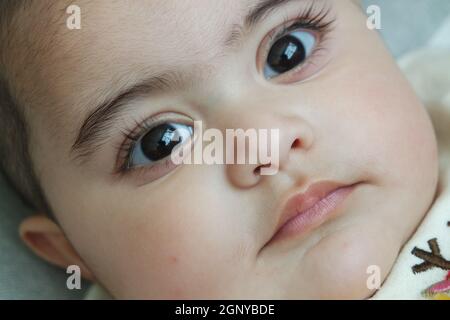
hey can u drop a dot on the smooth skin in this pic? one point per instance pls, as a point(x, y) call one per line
point(201, 231)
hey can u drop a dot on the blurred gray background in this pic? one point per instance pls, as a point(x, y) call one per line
point(406, 25)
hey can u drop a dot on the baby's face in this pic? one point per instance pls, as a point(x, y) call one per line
point(150, 229)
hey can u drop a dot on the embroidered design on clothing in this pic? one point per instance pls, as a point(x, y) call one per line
point(439, 291)
point(433, 259)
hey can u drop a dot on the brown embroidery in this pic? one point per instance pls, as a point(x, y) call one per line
point(431, 259)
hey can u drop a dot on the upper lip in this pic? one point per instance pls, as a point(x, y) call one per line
point(300, 202)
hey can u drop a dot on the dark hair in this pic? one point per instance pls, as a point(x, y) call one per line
point(15, 158)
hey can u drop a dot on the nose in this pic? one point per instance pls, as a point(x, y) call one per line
point(273, 155)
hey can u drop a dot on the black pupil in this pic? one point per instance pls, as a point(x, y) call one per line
point(286, 53)
point(159, 142)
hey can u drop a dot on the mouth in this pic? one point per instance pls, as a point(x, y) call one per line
point(306, 211)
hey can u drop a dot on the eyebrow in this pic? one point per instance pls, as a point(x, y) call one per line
point(96, 125)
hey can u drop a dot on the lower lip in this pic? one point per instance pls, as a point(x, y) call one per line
point(315, 215)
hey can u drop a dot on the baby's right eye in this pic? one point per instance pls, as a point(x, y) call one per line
point(158, 143)
point(149, 147)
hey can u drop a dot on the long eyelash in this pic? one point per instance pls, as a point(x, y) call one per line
point(307, 19)
point(130, 137)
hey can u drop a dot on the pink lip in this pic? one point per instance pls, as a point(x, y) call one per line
point(308, 210)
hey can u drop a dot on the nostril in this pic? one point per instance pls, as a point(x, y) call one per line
point(296, 144)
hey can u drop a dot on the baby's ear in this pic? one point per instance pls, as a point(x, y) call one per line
point(47, 240)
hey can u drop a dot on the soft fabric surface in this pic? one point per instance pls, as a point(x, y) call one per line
point(406, 25)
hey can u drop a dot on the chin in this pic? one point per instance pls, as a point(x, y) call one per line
point(346, 264)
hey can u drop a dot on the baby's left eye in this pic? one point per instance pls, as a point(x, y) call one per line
point(288, 52)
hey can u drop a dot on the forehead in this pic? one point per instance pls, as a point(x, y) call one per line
point(156, 23)
point(117, 39)
point(127, 36)
point(120, 42)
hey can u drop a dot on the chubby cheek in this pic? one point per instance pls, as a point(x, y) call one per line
point(165, 257)
point(169, 241)
point(380, 122)
point(405, 143)
point(379, 115)
point(397, 140)
point(173, 259)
